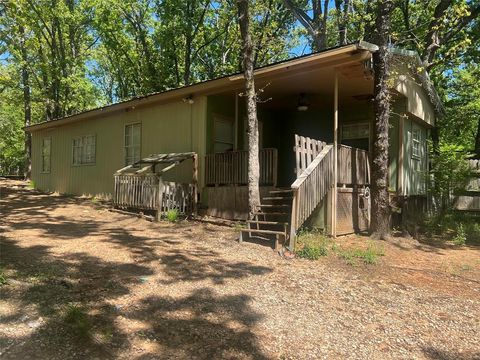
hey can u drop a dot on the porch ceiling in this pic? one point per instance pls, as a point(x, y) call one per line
point(355, 86)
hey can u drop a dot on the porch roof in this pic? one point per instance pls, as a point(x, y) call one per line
point(233, 81)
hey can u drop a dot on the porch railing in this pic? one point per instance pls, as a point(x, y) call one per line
point(148, 192)
point(353, 166)
point(310, 189)
point(231, 168)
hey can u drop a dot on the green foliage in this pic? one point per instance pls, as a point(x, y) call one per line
point(450, 172)
point(458, 227)
point(32, 184)
point(460, 236)
point(77, 318)
point(172, 215)
point(312, 244)
point(3, 277)
point(462, 103)
point(367, 256)
point(239, 226)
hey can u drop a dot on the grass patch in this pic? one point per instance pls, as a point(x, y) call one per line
point(3, 277)
point(31, 185)
point(312, 244)
point(172, 215)
point(239, 226)
point(77, 318)
point(368, 256)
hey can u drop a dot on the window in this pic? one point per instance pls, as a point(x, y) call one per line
point(132, 143)
point(356, 135)
point(355, 131)
point(84, 150)
point(416, 144)
point(224, 134)
point(46, 151)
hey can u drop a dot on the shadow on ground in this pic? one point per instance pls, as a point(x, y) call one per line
point(42, 287)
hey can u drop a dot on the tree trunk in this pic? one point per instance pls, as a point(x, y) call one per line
point(380, 223)
point(248, 57)
point(26, 108)
point(477, 140)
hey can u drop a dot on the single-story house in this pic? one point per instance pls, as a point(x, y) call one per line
point(314, 109)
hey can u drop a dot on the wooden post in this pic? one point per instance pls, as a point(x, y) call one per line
point(293, 224)
point(195, 183)
point(235, 133)
point(160, 198)
point(401, 129)
point(335, 156)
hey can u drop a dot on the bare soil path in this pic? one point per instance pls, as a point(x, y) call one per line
point(87, 283)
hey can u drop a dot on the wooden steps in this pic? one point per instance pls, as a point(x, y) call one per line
point(281, 191)
point(272, 218)
point(278, 198)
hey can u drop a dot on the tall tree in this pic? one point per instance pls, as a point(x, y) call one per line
point(380, 213)
point(251, 103)
point(316, 25)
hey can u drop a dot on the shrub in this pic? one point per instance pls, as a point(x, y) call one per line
point(172, 215)
point(311, 252)
point(460, 236)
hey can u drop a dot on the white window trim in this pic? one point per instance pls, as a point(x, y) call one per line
point(49, 156)
point(418, 141)
point(125, 145)
point(82, 149)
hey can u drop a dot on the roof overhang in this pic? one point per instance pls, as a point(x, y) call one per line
point(342, 55)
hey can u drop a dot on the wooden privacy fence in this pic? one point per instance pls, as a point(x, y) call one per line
point(231, 168)
point(353, 166)
point(469, 199)
point(310, 188)
point(306, 150)
point(147, 192)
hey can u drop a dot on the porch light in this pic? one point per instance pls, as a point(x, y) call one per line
point(188, 100)
point(303, 102)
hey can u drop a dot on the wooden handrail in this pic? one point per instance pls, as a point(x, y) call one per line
point(310, 189)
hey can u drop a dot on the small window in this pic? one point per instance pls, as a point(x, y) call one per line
point(84, 150)
point(416, 144)
point(355, 131)
point(46, 154)
point(132, 143)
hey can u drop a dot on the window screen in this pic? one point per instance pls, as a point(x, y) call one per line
point(224, 134)
point(84, 150)
point(132, 143)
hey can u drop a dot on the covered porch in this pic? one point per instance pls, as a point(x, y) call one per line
point(300, 107)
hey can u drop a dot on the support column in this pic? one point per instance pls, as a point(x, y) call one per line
point(236, 122)
point(335, 155)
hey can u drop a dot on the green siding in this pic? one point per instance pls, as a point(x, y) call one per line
point(172, 127)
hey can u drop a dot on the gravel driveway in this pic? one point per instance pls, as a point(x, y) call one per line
point(142, 290)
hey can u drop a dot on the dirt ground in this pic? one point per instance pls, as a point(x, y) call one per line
point(143, 290)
